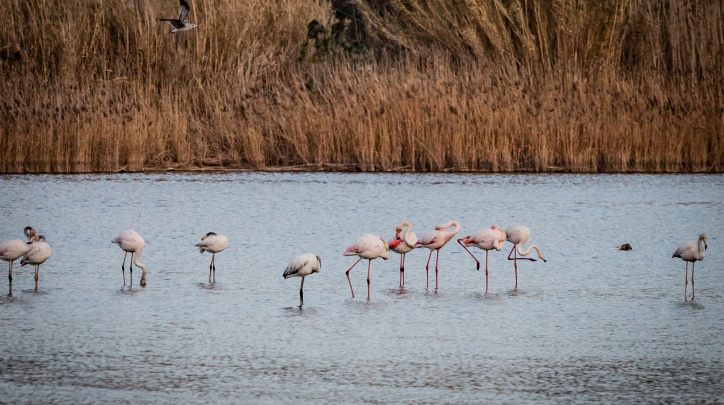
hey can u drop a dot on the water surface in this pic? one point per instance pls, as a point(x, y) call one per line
point(592, 324)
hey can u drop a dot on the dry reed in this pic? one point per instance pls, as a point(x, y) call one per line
point(461, 85)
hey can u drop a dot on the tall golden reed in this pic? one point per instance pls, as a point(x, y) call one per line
point(447, 85)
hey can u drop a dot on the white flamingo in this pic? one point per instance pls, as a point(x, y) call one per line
point(131, 241)
point(402, 243)
point(691, 251)
point(368, 247)
point(213, 243)
point(487, 239)
point(38, 254)
point(302, 266)
point(12, 250)
point(518, 235)
point(435, 240)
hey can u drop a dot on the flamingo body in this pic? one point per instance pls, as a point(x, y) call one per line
point(368, 247)
point(435, 240)
point(487, 239)
point(403, 242)
point(213, 243)
point(691, 251)
point(518, 235)
point(38, 254)
point(302, 266)
point(131, 242)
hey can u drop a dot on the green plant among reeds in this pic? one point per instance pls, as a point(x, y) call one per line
point(413, 85)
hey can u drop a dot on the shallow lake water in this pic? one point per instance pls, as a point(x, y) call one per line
point(592, 324)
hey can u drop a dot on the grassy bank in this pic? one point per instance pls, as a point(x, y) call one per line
point(426, 85)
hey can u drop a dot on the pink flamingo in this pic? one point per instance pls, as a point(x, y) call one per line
point(487, 239)
point(13, 250)
point(367, 247)
point(402, 243)
point(518, 235)
point(131, 241)
point(436, 240)
point(691, 252)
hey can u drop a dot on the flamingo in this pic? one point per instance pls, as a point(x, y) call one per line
point(434, 241)
point(402, 243)
point(38, 254)
point(691, 251)
point(487, 239)
point(131, 241)
point(12, 250)
point(518, 235)
point(212, 243)
point(302, 266)
point(368, 247)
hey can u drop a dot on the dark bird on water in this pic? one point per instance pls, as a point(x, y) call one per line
point(182, 24)
point(625, 246)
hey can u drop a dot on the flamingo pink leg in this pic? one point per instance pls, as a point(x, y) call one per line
point(402, 269)
point(437, 258)
point(350, 281)
point(369, 264)
point(686, 279)
point(123, 268)
point(486, 271)
point(131, 266)
point(471, 253)
point(515, 262)
point(427, 269)
point(692, 280)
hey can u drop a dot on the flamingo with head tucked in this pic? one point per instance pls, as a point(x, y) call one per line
point(402, 243)
point(487, 239)
point(38, 254)
point(12, 250)
point(518, 235)
point(368, 247)
point(691, 252)
point(435, 240)
point(131, 241)
point(212, 243)
point(302, 266)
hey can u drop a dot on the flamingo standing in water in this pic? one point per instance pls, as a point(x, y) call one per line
point(402, 243)
point(487, 239)
point(436, 240)
point(12, 250)
point(38, 254)
point(131, 241)
point(302, 266)
point(213, 243)
point(691, 252)
point(367, 247)
point(518, 235)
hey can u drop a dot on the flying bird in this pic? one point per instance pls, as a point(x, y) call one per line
point(38, 254)
point(212, 243)
point(691, 251)
point(368, 247)
point(487, 239)
point(182, 24)
point(435, 240)
point(13, 250)
point(518, 235)
point(402, 243)
point(131, 241)
point(302, 266)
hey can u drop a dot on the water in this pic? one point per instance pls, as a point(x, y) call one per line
point(592, 324)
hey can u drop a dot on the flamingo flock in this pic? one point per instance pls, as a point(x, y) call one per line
point(36, 251)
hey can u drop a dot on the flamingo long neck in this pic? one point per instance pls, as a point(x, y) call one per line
point(448, 225)
point(701, 247)
point(137, 263)
point(522, 253)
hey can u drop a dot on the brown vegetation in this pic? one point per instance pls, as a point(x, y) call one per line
point(432, 85)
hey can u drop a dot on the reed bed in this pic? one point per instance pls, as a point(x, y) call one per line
point(432, 85)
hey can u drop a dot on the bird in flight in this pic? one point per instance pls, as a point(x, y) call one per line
point(182, 24)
